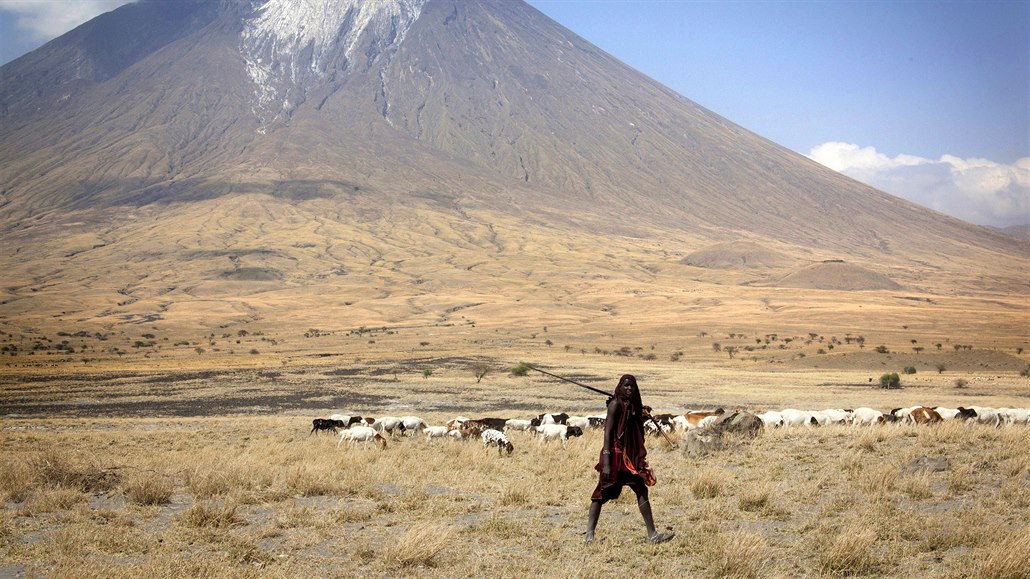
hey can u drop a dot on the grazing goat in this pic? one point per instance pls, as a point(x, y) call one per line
point(560, 432)
point(320, 424)
point(771, 418)
point(696, 419)
point(518, 424)
point(469, 430)
point(926, 415)
point(361, 434)
point(348, 420)
point(558, 418)
point(497, 438)
point(866, 416)
point(389, 424)
point(959, 413)
point(435, 431)
point(580, 421)
point(412, 425)
point(493, 423)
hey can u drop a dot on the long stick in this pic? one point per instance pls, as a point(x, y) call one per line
point(568, 380)
point(646, 413)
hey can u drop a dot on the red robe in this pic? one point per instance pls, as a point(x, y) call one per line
point(628, 455)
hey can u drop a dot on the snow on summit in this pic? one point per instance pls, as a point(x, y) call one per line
point(286, 42)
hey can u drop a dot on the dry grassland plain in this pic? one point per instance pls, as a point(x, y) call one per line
point(163, 430)
point(162, 461)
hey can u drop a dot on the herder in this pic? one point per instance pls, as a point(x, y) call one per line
point(623, 460)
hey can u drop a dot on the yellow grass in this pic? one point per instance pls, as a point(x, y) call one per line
point(275, 502)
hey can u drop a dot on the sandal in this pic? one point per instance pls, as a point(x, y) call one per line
point(661, 537)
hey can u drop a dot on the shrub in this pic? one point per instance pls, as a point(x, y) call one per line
point(1025, 372)
point(881, 349)
point(961, 382)
point(891, 380)
point(909, 370)
point(941, 368)
point(521, 370)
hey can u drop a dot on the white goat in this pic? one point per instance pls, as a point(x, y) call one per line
point(361, 434)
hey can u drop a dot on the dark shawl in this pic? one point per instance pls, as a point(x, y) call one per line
point(629, 457)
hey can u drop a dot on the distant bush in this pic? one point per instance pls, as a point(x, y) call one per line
point(881, 349)
point(890, 381)
point(1025, 372)
point(941, 368)
point(521, 370)
point(909, 370)
point(961, 382)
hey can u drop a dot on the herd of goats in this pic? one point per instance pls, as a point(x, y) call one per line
point(562, 426)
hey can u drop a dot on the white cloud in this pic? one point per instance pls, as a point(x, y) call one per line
point(46, 19)
point(976, 190)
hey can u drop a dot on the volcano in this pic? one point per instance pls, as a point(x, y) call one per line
point(206, 163)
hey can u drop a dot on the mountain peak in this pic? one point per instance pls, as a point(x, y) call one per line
point(289, 43)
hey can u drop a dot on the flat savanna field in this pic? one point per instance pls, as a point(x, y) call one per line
point(156, 450)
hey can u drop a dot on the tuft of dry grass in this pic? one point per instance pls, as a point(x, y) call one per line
point(709, 483)
point(50, 499)
point(211, 515)
point(516, 494)
point(962, 479)
point(149, 488)
point(1007, 559)
point(851, 552)
point(754, 498)
point(51, 468)
point(739, 554)
point(419, 546)
point(918, 486)
point(16, 480)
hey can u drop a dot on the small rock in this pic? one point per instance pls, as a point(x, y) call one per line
point(928, 464)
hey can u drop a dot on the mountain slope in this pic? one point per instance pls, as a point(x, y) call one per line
point(435, 153)
point(494, 85)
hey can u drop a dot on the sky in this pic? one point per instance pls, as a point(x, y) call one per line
point(927, 100)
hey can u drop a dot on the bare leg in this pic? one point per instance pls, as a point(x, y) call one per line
point(644, 504)
point(592, 515)
point(645, 510)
